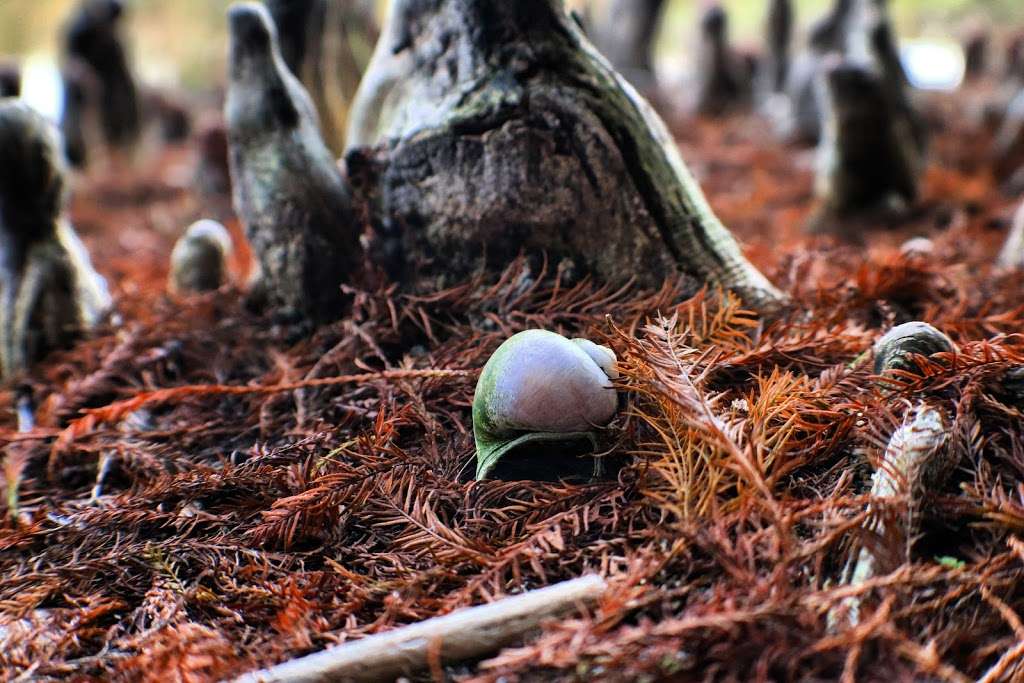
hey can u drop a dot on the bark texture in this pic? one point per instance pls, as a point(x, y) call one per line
point(490, 128)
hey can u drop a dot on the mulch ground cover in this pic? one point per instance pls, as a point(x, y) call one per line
point(204, 494)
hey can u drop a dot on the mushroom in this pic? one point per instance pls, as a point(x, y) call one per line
point(541, 387)
point(199, 258)
point(917, 248)
point(895, 349)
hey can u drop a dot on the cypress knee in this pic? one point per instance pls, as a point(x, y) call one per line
point(976, 46)
point(868, 160)
point(484, 129)
point(79, 124)
point(804, 122)
point(722, 85)
point(92, 37)
point(287, 188)
point(885, 56)
point(10, 79)
point(778, 39)
point(49, 293)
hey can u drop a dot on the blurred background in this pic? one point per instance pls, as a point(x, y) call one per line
point(182, 42)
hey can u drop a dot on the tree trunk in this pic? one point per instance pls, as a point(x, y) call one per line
point(490, 128)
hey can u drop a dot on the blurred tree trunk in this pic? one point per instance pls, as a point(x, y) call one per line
point(626, 38)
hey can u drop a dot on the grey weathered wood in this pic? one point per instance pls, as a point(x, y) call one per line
point(461, 635)
point(485, 128)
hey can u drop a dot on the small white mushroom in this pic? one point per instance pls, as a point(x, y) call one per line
point(199, 259)
point(917, 247)
point(540, 386)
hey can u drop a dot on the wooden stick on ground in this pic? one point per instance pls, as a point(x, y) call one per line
point(461, 635)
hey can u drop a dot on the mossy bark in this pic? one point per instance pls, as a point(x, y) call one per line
point(484, 129)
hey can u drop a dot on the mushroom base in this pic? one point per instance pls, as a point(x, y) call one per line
point(569, 460)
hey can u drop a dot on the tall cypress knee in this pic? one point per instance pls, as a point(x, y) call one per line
point(287, 188)
point(722, 85)
point(489, 128)
point(827, 35)
point(778, 39)
point(93, 38)
point(869, 162)
point(10, 79)
point(50, 295)
point(327, 44)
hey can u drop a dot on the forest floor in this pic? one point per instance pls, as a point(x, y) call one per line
point(293, 495)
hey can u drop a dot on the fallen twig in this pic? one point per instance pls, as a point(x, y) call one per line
point(464, 634)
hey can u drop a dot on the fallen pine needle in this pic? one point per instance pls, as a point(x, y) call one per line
point(119, 409)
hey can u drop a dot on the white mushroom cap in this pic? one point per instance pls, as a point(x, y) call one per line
point(546, 383)
point(540, 386)
point(602, 355)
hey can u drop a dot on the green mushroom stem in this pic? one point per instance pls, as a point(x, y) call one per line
point(490, 453)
